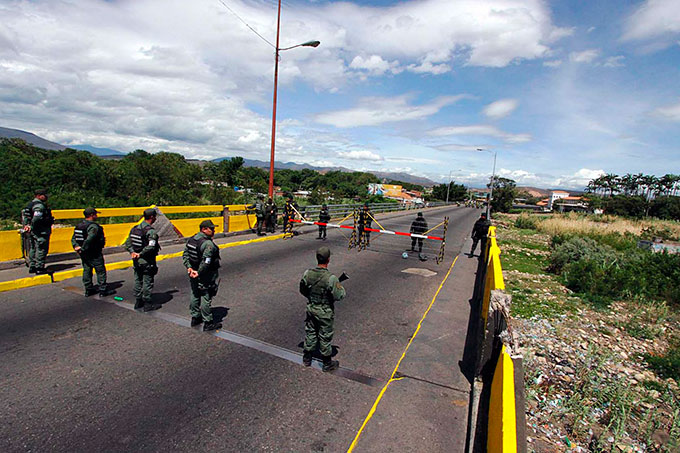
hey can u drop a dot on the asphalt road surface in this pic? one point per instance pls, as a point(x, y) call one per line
point(81, 374)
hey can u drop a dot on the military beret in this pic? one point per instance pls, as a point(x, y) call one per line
point(90, 211)
point(207, 224)
point(322, 254)
point(40, 192)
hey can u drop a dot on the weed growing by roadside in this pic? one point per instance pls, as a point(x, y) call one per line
point(666, 365)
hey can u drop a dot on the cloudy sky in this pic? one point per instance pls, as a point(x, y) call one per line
point(561, 90)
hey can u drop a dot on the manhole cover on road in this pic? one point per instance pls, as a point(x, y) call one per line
point(420, 271)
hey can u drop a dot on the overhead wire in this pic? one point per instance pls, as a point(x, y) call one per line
point(246, 23)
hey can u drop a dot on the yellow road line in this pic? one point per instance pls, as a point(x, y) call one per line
point(116, 265)
point(403, 354)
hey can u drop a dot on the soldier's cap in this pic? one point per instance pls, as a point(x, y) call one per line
point(260, 197)
point(150, 212)
point(420, 214)
point(483, 215)
point(322, 254)
point(207, 224)
point(90, 211)
point(324, 205)
point(40, 192)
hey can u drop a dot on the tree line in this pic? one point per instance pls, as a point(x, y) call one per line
point(636, 195)
point(77, 179)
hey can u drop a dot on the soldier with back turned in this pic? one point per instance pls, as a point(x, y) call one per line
point(88, 241)
point(322, 289)
point(142, 243)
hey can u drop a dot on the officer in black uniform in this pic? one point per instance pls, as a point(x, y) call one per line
point(142, 243)
point(37, 223)
point(419, 226)
point(201, 257)
point(324, 217)
point(271, 210)
point(479, 232)
point(365, 221)
point(88, 241)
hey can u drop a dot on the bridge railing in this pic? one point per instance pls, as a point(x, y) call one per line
point(500, 421)
point(227, 218)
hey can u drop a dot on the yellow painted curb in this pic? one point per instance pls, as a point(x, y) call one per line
point(25, 282)
point(65, 275)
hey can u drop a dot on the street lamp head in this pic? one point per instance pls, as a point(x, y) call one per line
point(480, 149)
point(311, 44)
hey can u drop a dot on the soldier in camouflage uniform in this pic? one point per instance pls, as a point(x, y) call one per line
point(201, 257)
point(142, 243)
point(322, 289)
point(259, 208)
point(88, 241)
point(37, 222)
point(270, 216)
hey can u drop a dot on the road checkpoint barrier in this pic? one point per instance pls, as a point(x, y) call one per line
point(357, 239)
point(498, 422)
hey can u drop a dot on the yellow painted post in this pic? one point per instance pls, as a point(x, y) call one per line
point(502, 429)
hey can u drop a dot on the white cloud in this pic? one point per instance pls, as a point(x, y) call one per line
point(500, 108)
point(669, 112)
point(576, 181)
point(374, 65)
point(360, 155)
point(480, 130)
point(552, 63)
point(375, 111)
point(585, 56)
point(614, 62)
point(654, 20)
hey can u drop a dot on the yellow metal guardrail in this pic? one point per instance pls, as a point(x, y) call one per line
point(503, 432)
point(117, 233)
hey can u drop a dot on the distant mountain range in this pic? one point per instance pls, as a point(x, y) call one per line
point(115, 154)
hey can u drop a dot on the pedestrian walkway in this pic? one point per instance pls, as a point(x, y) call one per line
point(424, 406)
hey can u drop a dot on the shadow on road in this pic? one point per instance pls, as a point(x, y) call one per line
point(219, 313)
point(163, 298)
point(52, 268)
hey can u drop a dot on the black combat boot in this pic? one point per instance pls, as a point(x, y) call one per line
point(89, 292)
point(196, 321)
point(31, 270)
point(329, 364)
point(307, 358)
point(208, 326)
point(150, 306)
point(139, 304)
point(104, 291)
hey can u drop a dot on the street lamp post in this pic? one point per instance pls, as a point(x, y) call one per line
point(276, 79)
point(448, 187)
point(493, 177)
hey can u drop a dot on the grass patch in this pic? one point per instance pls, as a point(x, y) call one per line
point(668, 364)
point(523, 261)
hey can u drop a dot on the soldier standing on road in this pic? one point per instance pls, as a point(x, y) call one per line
point(270, 216)
point(258, 206)
point(479, 232)
point(324, 217)
point(201, 257)
point(37, 222)
point(365, 221)
point(88, 241)
point(142, 243)
point(322, 289)
point(419, 226)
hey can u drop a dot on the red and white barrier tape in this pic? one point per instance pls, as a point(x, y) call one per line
point(398, 233)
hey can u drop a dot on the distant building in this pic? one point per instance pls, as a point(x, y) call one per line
point(556, 195)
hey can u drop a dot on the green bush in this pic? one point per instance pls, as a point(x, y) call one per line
point(526, 222)
point(577, 248)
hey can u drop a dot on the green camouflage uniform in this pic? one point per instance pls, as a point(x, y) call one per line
point(259, 209)
point(204, 287)
point(322, 289)
point(39, 216)
point(90, 237)
point(144, 267)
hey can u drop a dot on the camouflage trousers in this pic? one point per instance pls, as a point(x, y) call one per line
point(319, 329)
point(40, 245)
point(96, 264)
point(201, 299)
